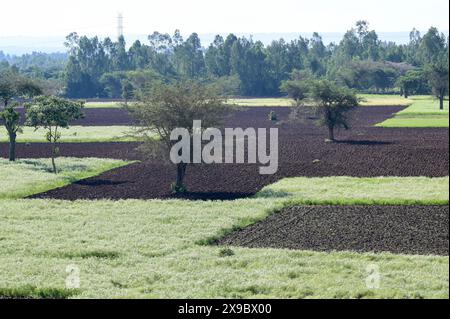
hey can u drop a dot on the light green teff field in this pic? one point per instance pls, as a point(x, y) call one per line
point(76, 134)
point(423, 112)
point(368, 100)
point(161, 249)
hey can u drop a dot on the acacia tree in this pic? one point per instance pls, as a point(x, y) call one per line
point(52, 114)
point(297, 86)
point(168, 107)
point(332, 105)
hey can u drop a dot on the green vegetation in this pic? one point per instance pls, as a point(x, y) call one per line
point(424, 105)
point(239, 66)
point(77, 134)
point(331, 103)
point(103, 105)
point(53, 114)
point(149, 249)
point(384, 100)
point(360, 191)
point(168, 107)
point(14, 86)
point(30, 292)
point(32, 176)
point(165, 246)
point(269, 102)
point(368, 100)
point(423, 112)
point(418, 122)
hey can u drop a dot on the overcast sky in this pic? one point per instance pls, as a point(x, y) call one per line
point(59, 17)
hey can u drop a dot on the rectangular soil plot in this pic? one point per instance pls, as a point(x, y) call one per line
point(417, 230)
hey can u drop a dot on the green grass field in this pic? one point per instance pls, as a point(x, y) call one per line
point(76, 134)
point(103, 105)
point(369, 100)
point(384, 100)
point(360, 191)
point(159, 249)
point(423, 112)
point(32, 176)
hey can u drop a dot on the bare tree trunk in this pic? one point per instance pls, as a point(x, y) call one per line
point(53, 160)
point(12, 146)
point(331, 133)
point(441, 102)
point(55, 152)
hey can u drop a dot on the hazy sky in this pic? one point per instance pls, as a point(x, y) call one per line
point(59, 17)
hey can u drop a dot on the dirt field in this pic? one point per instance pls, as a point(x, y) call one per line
point(364, 151)
point(419, 230)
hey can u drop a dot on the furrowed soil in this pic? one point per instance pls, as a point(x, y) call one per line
point(363, 151)
point(416, 230)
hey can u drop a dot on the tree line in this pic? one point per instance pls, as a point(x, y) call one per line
point(240, 66)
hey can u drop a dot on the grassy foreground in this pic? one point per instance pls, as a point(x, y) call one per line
point(76, 134)
point(160, 249)
point(150, 249)
point(423, 112)
point(32, 176)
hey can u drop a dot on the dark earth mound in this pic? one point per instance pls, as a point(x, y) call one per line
point(364, 151)
point(418, 230)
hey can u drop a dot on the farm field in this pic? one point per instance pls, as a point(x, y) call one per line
point(32, 176)
point(423, 112)
point(235, 232)
point(76, 134)
point(166, 245)
point(365, 151)
point(368, 100)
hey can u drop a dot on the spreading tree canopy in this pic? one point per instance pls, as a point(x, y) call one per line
point(53, 113)
point(168, 107)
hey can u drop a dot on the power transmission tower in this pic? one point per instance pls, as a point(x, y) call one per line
point(119, 25)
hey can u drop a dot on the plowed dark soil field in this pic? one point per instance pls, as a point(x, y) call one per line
point(363, 151)
point(421, 230)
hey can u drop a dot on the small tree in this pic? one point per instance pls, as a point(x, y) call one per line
point(332, 104)
point(52, 114)
point(297, 87)
point(438, 74)
point(167, 107)
point(13, 86)
point(11, 119)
